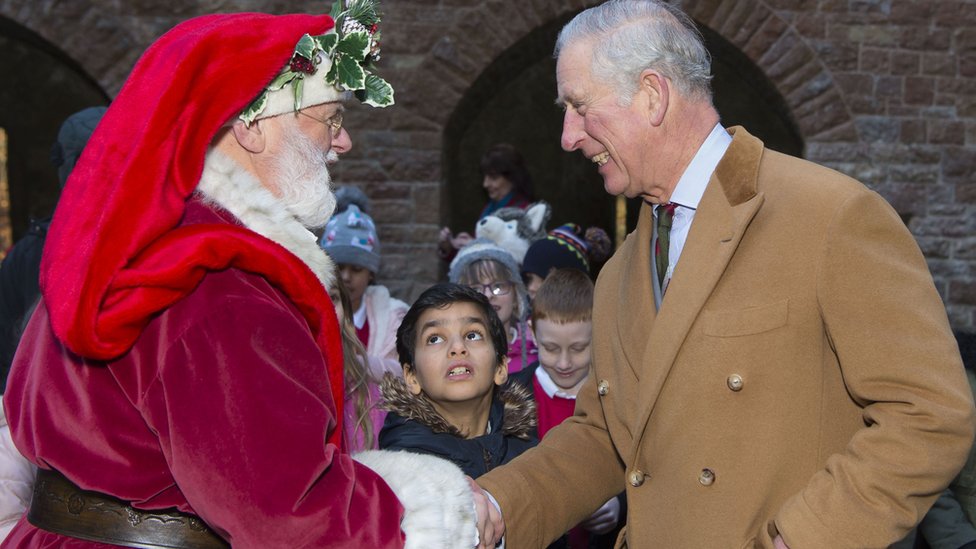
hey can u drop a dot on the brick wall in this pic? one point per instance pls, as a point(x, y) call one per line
point(884, 90)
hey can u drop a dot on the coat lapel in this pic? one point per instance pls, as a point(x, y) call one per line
point(729, 204)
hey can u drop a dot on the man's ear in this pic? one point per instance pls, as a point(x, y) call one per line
point(656, 91)
point(501, 372)
point(410, 378)
point(250, 138)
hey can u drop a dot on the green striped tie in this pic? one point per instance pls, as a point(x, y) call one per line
point(665, 215)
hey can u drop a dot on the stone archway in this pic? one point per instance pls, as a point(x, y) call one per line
point(42, 87)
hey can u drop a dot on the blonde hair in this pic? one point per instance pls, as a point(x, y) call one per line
point(354, 366)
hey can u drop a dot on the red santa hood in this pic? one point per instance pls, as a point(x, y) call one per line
point(114, 256)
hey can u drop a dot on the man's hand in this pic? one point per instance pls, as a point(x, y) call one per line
point(605, 518)
point(778, 543)
point(490, 525)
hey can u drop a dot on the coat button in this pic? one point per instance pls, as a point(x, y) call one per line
point(734, 382)
point(706, 477)
point(603, 387)
point(636, 478)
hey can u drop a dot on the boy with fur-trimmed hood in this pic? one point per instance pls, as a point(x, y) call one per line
point(450, 403)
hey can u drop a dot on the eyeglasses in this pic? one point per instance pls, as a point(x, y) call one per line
point(334, 122)
point(493, 289)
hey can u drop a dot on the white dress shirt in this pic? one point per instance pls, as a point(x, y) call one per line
point(549, 386)
point(689, 190)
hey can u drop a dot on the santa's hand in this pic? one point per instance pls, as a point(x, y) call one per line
point(605, 518)
point(491, 527)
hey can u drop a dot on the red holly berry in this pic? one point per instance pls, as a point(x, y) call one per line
point(301, 64)
point(374, 28)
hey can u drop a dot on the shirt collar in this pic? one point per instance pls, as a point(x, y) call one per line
point(549, 386)
point(359, 317)
point(691, 186)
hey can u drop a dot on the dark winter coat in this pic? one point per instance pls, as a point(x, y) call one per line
point(414, 425)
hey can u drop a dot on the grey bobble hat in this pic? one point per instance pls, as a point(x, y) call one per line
point(350, 238)
point(482, 248)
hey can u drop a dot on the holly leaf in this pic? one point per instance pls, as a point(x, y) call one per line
point(281, 80)
point(376, 92)
point(349, 74)
point(327, 42)
point(299, 85)
point(354, 45)
point(254, 109)
point(305, 47)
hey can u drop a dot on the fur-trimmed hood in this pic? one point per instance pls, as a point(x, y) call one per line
point(518, 417)
point(415, 426)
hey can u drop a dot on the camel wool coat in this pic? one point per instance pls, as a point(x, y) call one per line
point(800, 378)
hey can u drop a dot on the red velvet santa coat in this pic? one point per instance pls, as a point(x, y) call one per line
point(220, 389)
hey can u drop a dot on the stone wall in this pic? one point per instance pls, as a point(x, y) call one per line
point(884, 90)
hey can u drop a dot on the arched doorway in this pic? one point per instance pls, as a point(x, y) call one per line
point(512, 101)
point(42, 87)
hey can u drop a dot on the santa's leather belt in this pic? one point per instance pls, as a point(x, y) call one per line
point(61, 507)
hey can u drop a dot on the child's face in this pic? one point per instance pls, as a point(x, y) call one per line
point(564, 351)
point(454, 358)
point(503, 304)
point(356, 279)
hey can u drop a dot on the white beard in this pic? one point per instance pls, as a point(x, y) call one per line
point(301, 173)
point(226, 184)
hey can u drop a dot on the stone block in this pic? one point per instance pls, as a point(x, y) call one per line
point(935, 247)
point(912, 131)
point(953, 13)
point(864, 34)
point(889, 86)
point(875, 60)
point(878, 129)
point(965, 248)
point(938, 111)
point(793, 5)
point(838, 55)
point(939, 64)
point(946, 132)
point(905, 63)
point(966, 192)
point(918, 90)
point(962, 318)
point(818, 151)
point(918, 37)
point(967, 65)
point(869, 105)
point(855, 83)
point(844, 132)
point(959, 163)
point(910, 12)
point(811, 25)
point(387, 190)
point(914, 173)
point(951, 270)
point(962, 292)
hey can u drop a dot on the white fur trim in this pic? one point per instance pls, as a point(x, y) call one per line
point(435, 494)
point(233, 188)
